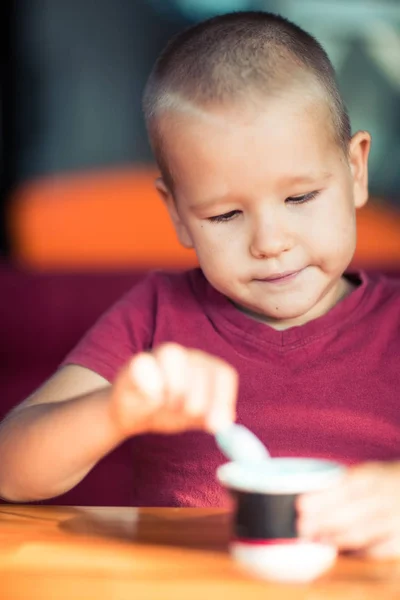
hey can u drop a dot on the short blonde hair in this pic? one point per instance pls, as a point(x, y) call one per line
point(222, 59)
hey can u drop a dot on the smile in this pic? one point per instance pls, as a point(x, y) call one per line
point(281, 277)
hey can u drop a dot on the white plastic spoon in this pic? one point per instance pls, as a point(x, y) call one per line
point(239, 444)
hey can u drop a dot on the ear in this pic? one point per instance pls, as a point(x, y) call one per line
point(169, 201)
point(358, 157)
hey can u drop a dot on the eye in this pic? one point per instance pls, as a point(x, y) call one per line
point(302, 199)
point(225, 217)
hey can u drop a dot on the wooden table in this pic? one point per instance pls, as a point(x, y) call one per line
point(126, 553)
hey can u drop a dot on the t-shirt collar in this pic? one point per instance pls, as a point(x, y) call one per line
point(220, 309)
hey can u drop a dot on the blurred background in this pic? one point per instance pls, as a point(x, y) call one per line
point(76, 165)
point(79, 219)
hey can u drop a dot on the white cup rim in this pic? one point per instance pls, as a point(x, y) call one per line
point(282, 475)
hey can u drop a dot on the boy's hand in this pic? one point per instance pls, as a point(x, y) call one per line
point(361, 512)
point(173, 389)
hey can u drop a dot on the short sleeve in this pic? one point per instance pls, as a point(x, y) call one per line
point(125, 329)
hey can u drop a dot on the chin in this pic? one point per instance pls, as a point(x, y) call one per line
point(285, 313)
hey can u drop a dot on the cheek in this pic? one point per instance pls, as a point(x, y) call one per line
point(334, 231)
point(217, 243)
point(220, 256)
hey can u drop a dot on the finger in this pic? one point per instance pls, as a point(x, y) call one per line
point(224, 396)
point(359, 536)
point(200, 389)
point(347, 516)
point(345, 505)
point(386, 549)
point(344, 515)
point(146, 377)
point(355, 525)
point(347, 489)
point(173, 364)
point(353, 488)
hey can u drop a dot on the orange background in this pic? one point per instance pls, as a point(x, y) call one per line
point(116, 220)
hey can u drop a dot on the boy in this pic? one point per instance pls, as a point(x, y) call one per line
point(261, 176)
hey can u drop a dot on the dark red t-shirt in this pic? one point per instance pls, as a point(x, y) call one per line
point(329, 388)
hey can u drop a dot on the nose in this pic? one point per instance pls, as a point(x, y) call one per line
point(269, 239)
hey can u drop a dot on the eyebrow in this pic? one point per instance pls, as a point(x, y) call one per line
point(309, 177)
point(306, 178)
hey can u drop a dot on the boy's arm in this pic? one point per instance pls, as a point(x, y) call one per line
point(50, 441)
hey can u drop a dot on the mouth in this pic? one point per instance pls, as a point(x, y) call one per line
point(280, 277)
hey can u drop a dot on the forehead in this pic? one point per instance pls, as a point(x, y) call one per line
point(232, 146)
